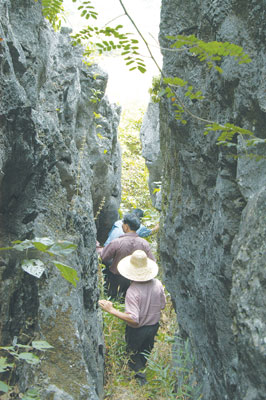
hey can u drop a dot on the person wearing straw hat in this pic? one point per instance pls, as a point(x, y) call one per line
point(145, 298)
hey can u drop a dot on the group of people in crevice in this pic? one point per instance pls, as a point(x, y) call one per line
point(129, 274)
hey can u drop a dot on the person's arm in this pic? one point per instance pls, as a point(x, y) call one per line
point(107, 305)
point(163, 298)
point(155, 228)
point(108, 252)
point(149, 252)
point(98, 248)
point(143, 231)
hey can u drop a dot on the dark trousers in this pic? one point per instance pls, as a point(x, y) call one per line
point(115, 285)
point(140, 340)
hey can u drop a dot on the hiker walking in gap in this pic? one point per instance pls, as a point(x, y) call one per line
point(117, 230)
point(118, 249)
point(145, 298)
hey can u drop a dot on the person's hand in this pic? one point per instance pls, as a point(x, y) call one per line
point(106, 305)
point(156, 228)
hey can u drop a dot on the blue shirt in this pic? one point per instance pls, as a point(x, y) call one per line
point(117, 231)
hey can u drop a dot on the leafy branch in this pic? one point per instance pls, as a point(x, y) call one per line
point(119, 41)
point(87, 10)
point(21, 352)
point(212, 53)
point(36, 267)
point(52, 10)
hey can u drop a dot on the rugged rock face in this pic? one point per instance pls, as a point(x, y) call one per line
point(150, 139)
point(213, 231)
point(59, 166)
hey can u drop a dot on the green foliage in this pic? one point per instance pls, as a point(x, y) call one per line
point(135, 193)
point(31, 394)
point(210, 52)
point(26, 355)
point(112, 40)
point(122, 42)
point(183, 360)
point(155, 91)
point(35, 266)
point(67, 272)
point(135, 174)
point(161, 374)
point(3, 386)
point(96, 95)
point(87, 10)
point(100, 208)
point(5, 365)
point(109, 38)
point(52, 11)
point(228, 132)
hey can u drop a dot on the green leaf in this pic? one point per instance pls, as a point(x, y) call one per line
point(7, 348)
point(70, 274)
point(31, 394)
point(62, 248)
point(141, 69)
point(225, 143)
point(219, 69)
point(161, 92)
point(30, 358)
point(5, 365)
point(21, 246)
point(42, 244)
point(23, 346)
point(4, 387)
point(41, 345)
point(6, 248)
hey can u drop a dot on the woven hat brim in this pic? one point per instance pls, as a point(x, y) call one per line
point(137, 274)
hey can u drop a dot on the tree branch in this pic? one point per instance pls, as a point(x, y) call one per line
point(159, 68)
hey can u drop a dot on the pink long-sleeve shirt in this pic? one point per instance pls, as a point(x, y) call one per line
point(124, 246)
point(144, 302)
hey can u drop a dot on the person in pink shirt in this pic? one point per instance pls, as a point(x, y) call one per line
point(116, 284)
point(145, 298)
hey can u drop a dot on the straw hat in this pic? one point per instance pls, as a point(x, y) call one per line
point(138, 267)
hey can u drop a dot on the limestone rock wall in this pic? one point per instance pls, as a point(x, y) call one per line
point(150, 140)
point(212, 236)
point(59, 166)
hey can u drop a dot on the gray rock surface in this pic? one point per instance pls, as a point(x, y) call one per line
point(212, 236)
point(150, 140)
point(59, 170)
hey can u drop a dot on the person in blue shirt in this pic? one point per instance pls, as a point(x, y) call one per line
point(117, 230)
